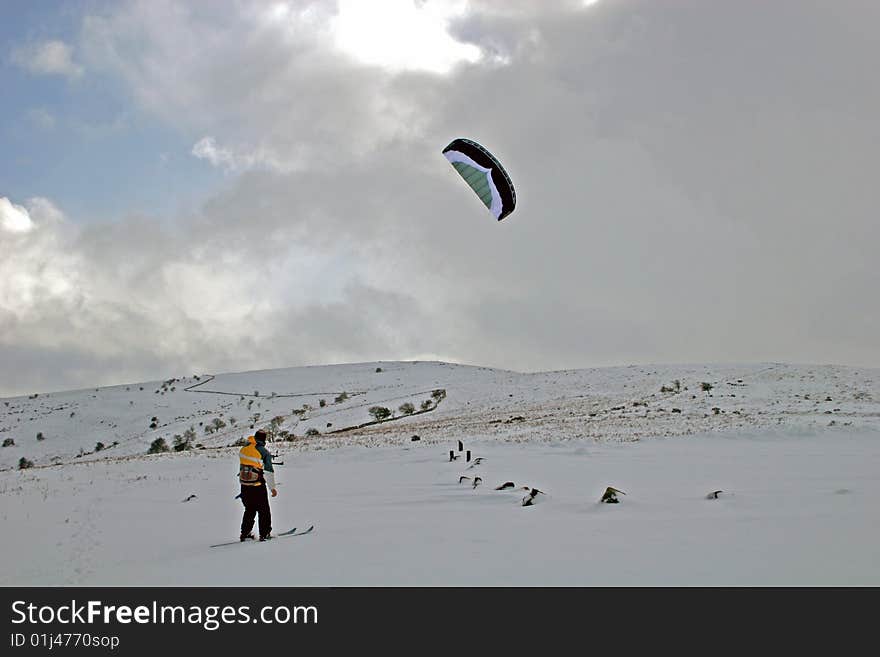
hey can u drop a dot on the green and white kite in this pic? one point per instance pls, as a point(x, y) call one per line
point(484, 174)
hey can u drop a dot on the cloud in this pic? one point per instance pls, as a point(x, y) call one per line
point(31, 272)
point(47, 58)
point(83, 305)
point(266, 87)
point(14, 218)
point(680, 197)
point(41, 118)
point(207, 149)
point(401, 35)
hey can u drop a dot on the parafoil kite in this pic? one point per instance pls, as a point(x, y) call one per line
point(484, 174)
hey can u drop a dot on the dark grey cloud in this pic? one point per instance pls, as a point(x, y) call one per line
point(695, 182)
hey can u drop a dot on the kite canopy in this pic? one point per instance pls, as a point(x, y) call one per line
point(484, 174)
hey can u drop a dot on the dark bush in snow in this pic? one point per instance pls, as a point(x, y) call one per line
point(181, 444)
point(380, 412)
point(157, 446)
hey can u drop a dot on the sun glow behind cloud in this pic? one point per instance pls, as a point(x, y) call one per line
point(401, 34)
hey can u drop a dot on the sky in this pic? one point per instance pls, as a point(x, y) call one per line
point(230, 186)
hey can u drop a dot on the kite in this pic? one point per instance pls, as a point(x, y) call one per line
point(484, 174)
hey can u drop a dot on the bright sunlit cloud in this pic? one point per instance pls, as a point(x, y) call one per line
point(14, 218)
point(401, 34)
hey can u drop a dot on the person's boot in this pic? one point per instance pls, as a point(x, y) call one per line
point(245, 537)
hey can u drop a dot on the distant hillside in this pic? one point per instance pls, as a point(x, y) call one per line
point(325, 406)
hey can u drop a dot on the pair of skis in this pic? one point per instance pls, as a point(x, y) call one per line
point(290, 532)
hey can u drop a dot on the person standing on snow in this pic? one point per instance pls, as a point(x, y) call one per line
point(257, 477)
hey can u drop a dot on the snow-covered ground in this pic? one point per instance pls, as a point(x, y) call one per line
point(795, 450)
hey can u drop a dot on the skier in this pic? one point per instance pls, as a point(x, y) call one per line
point(257, 477)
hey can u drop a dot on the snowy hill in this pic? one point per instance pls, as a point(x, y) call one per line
point(624, 403)
point(794, 449)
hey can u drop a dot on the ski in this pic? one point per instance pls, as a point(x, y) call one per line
point(293, 532)
point(289, 532)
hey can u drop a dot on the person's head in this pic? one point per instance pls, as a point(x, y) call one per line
point(260, 436)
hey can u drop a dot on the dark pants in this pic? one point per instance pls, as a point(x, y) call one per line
point(256, 500)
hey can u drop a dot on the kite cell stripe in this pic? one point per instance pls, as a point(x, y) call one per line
point(484, 174)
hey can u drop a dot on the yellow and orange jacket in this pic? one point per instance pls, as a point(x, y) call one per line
point(257, 457)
